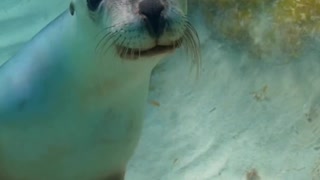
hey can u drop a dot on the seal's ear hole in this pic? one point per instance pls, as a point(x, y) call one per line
point(93, 5)
point(72, 8)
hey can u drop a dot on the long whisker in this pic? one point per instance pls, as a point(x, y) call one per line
point(104, 39)
point(118, 36)
point(108, 29)
point(192, 43)
point(102, 47)
point(108, 34)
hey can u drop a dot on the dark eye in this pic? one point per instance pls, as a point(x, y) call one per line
point(93, 5)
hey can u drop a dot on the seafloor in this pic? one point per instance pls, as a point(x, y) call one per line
point(253, 114)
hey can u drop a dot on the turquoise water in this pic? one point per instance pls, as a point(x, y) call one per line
point(247, 116)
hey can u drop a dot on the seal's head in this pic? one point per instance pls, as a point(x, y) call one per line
point(139, 29)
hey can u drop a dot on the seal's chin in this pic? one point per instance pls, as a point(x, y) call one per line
point(135, 53)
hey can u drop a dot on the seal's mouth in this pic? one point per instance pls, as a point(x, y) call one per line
point(133, 53)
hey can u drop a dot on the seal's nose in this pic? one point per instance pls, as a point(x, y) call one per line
point(152, 12)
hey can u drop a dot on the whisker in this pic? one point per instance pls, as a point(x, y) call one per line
point(107, 34)
point(117, 36)
point(103, 39)
point(106, 29)
point(192, 43)
point(107, 39)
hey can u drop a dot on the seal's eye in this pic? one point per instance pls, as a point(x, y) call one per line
point(93, 5)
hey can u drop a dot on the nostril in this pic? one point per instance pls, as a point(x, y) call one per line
point(152, 10)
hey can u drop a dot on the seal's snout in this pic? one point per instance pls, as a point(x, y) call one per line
point(146, 28)
point(152, 13)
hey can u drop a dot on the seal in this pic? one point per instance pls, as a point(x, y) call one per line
point(72, 99)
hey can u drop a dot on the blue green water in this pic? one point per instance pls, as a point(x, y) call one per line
point(244, 118)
